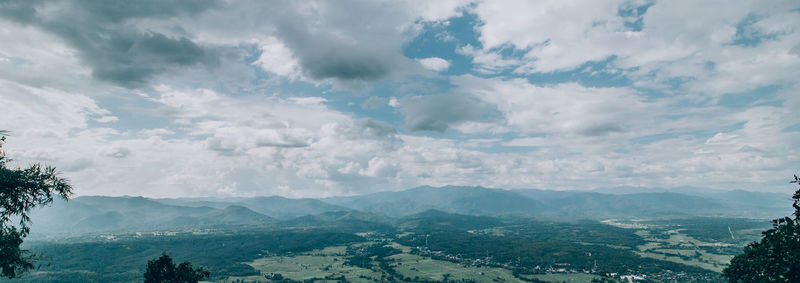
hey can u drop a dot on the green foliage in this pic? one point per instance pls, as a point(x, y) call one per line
point(776, 257)
point(162, 270)
point(605, 277)
point(222, 254)
point(13, 259)
point(715, 229)
point(20, 191)
point(525, 245)
point(362, 256)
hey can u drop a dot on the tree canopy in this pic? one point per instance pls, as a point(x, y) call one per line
point(20, 191)
point(776, 258)
point(162, 270)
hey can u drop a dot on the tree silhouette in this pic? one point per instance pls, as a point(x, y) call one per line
point(162, 270)
point(776, 258)
point(20, 191)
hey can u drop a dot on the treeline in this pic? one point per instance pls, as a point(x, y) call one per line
point(578, 232)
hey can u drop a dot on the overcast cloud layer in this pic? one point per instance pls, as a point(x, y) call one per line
point(324, 98)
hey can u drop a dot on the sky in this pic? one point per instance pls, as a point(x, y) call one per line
point(165, 98)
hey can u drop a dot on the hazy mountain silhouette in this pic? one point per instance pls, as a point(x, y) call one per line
point(101, 214)
point(93, 214)
point(356, 221)
point(568, 204)
point(451, 199)
point(272, 206)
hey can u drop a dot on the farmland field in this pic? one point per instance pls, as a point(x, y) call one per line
point(432, 247)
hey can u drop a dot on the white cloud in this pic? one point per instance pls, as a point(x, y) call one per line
point(539, 27)
point(107, 119)
point(316, 41)
point(278, 59)
point(156, 132)
point(561, 109)
point(311, 101)
point(479, 127)
point(394, 102)
point(677, 40)
point(263, 146)
point(435, 64)
point(380, 167)
point(37, 58)
point(721, 138)
point(223, 129)
point(487, 62)
point(46, 110)
point(528, 142)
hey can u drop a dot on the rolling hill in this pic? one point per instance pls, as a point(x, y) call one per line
point(92, 214)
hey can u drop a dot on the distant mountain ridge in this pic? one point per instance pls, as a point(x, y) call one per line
point(93, 214)
point(109, 214)
point(569, 204)
point(452, 199)
point(272, 206)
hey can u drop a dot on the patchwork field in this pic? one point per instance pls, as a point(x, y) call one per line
point(326, 264)
point(319, 264)
point(414, 266)
point(435, 247)
point(383, 258)
point(676, 247)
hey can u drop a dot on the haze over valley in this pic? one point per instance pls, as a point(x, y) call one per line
point(93, 214)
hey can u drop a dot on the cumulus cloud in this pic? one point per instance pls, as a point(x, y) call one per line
point(561, 109)
point(23, 107)
point(329, 43)
point(266, 145)
point(277, 58)
point(114, 51)
point(439, 112)
point(284, 130)
point(319, 40)
point(129, 44)
point(539, 27)
point(711, 46)
point(380, 167)
point(249, 146)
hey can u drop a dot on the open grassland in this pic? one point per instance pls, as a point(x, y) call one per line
point(676, 247)
point(414, 266)
point(692, 261)
point(384, 258)
point(328, 262)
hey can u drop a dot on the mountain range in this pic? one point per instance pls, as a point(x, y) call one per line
point(93, 214)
